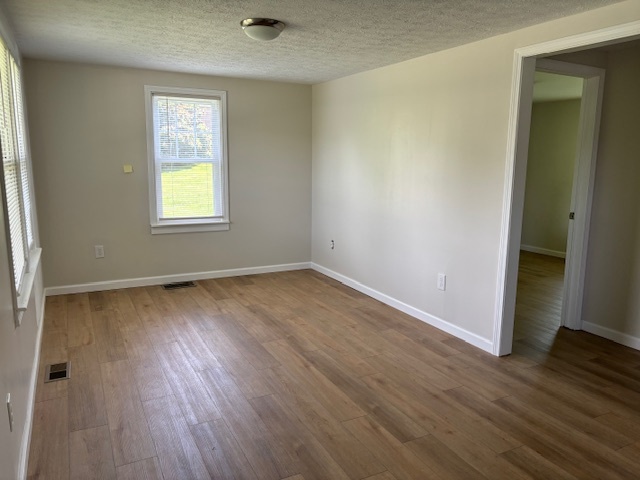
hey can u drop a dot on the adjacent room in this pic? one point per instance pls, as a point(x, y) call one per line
point(551, 163)
point(296, 240)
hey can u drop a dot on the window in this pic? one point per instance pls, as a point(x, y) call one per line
point(15, 181)
point(186, 141)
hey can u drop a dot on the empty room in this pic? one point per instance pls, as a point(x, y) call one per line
point(298, 240)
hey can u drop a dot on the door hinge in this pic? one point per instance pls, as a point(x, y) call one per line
point(572, 215)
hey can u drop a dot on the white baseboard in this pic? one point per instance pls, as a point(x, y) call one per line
point(469, 337)
point(613, 335)
point(543, 251)
point(159, 280)
point(26, 435)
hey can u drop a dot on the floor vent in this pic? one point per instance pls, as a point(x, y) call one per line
point(57, 371)
point(174, 286)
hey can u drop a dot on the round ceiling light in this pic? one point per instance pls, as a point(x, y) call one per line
point(262, 28)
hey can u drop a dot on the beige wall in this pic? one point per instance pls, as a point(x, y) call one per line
point(87, 121)
point(409, 169)
point(17, 346)
point(612, 283)
point(552, 151)
point(18, 350)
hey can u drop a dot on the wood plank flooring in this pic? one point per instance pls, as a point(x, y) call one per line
point(539, 299)
point(295, 376)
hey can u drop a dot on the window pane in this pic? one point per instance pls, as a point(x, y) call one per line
point(188, 157)
point(185, 120)
point(204, 135)
point(187, 190)
point(11, 168)
point(22, 151)
point(165, 134)
point(187, 128)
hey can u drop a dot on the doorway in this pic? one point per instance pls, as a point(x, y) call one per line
point(515, 180)
point(550, 175)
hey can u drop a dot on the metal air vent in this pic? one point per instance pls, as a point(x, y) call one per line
point(176, 285)
point(57, 371)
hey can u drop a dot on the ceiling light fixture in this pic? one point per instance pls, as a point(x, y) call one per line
point(262, 28)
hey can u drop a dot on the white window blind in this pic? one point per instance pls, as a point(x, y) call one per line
point(22, 151)
point(188, 158)
point(11, 135)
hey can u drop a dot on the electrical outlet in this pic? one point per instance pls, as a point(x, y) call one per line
point(99, 249)
point(332, 245)
point(10, 412)
point(442, 281)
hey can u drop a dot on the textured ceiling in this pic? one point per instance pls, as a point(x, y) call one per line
point(324, 39)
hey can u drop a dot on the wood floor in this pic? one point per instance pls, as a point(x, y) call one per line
point(295, 376)
point(539, 298)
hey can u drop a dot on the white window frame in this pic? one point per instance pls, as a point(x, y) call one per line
point(161, 226)
point(21, 284)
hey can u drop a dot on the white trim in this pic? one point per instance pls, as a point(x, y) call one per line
point(189, 228)
point(6, 32)
point(596, 38)
point(26, 434)
point(43, 305)
point(613, 335)
point(186, 225)
point(469, 337)
point(28, 279)
point(543, 251)
point(566, 68)
point(524, 64)
point(514, 185)
point(180, 277)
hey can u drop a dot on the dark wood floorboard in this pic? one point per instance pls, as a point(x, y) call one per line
point(295, 376)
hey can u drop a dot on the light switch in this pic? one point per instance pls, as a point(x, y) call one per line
point(128, 168)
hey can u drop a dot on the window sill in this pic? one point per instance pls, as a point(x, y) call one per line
point(189, 228)
point(27, 284)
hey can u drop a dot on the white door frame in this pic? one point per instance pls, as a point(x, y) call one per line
point(582, 187)
point(515, 177)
